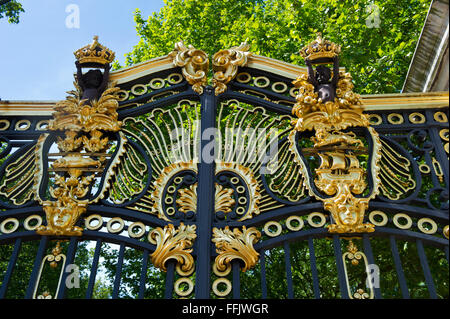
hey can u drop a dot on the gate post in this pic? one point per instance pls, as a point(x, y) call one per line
point(205, 199)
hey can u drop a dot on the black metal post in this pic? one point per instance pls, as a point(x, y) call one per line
point(205, 202)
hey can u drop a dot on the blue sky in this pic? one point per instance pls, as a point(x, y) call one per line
point(36, 55)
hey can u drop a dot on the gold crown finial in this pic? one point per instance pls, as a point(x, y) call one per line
point(320, 49)
point(94, 53)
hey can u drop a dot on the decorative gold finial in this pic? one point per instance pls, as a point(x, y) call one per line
point(94, 53)
point(319, 49)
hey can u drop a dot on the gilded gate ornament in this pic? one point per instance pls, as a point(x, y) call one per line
point(84, 117)
point(174, 243)
point(235, 244)
point(327, 106)
point(194, 64)
point(355, 256)
point(225, 64)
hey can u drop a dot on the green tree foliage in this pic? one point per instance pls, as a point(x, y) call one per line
point(377, 57)
point(10, 10)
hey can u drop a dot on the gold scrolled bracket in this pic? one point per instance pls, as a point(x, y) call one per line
point(235, 244)
point(225, 64)
point(194, 65)
point(53, 259)
point(355, 256)
point(174, 243)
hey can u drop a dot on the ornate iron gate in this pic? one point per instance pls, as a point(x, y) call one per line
point(247, 188)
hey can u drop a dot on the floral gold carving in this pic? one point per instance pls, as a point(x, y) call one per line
point(235, 244)
point(173, 243)
point(225, 64)
point(194, 64)
point(223, 199)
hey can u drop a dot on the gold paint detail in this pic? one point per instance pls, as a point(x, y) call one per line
point(297, 219)
point(444, 134)
point(223, 281)
point(63, 213)
point(74, 114)
point(235, 244)
point(173, 243)
point(320, 48)
point(438, 169)
point(52, 259)
point(445, 231)
point(423, 229)
point(83, 149)
point(225, 65)
point(396, 221)
point(340, 174)
point(355, 256)
point(322, 221)
point(395, 173)
point(395, 118)
point(93, 218)
point(183, 293)
point(18, 182)
point(194, 64)
point(417, 118)
point(375, 213)
point(440, 117)
point(27, 221)
point(269, 232)
point(9, 230)
point(94, 53)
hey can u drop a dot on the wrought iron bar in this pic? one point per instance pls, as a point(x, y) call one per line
point(143, 278)
point(426, 269)
point(287, 263)
point(94, 267)
point(118, 275)
point(398, 267)
point(10, 269)
point(313, 264)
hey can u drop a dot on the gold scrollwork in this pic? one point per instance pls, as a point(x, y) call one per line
point(354, 255)
point(173, 243)
point(235, 244)
point(225, 64)
point(194, 64)
point(53, 259)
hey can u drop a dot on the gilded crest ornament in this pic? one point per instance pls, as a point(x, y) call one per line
point(87, 113)
point(327, 106)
